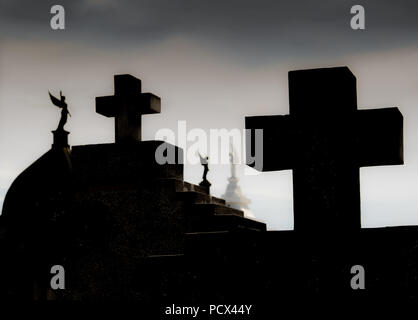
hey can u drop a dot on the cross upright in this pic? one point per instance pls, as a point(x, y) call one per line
point(127, 106)
point(325, 140)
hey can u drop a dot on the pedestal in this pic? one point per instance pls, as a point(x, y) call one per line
point(205, 184)
point(60, 139)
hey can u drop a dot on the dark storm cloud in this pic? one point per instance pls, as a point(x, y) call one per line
point(274, 26)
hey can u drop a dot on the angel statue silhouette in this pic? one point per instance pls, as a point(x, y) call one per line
point(204, 163)
point(60, 103)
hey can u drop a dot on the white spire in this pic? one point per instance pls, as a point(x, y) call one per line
point(233, 195)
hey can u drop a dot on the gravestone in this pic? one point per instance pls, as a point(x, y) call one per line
point(127, 106)
point(325, 140)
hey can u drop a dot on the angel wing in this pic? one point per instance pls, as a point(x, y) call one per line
point(203, 160)
point(55, 101)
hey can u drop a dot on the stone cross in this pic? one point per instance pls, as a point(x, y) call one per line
point(325, 140)
point(127, 106)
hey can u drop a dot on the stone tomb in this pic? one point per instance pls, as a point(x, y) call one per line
point(99, 208)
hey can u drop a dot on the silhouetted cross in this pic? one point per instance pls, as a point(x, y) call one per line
point(325, 140)
point(127, 106)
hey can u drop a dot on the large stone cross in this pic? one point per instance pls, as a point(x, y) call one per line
point(325, 140)
point(127, 106)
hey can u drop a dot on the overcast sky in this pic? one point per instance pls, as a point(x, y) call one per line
point(212, 63)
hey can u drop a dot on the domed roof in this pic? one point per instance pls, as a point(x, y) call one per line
point(50, 173)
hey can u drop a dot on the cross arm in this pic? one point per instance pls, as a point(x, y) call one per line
point(380, 137)
point(277, 142)
point(151, 103)
point(141, 103)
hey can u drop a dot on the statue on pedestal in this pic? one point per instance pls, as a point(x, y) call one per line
point(60, 103)
point(204, 163)
point(60, 135)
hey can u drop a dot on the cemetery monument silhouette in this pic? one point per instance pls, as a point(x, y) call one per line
point(127, 228)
